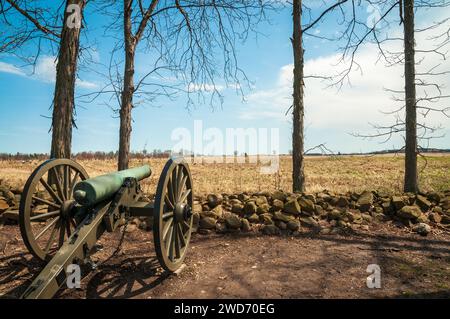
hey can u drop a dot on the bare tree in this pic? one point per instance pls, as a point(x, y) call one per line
point(411, 103)
point(411, 182)
point(24, 24)
point(66, 72)
point(191, 50)
point(30, 24)
point(357, 31)
point(131, 41)
point(298, 110)
point(298, 106)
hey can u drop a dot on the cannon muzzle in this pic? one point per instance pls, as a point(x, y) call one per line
point(94, 190)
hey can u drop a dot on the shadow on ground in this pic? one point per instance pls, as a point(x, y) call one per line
point(251, 265)
point(325, 266)
point(18, 268)
point(128, 278)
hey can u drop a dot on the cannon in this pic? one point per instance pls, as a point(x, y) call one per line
point(63, 213)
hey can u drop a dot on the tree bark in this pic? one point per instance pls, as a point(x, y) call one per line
point(64, 100)
point(298, 174)
point(128, 90)
point(411, 179)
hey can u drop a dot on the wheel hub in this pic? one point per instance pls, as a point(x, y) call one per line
point(182, 212)
point(66, 208)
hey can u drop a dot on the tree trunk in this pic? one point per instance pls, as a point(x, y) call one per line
point(298, 174)
point(125, 112)
point(411, 183)
point(64, 100)
point(128, 90)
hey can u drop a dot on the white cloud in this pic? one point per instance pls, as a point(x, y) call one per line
point(44, 70)
point(86, 84)
point(9, 68)
point(205, 87)
point(356, 104)
point(235, 86)
point(285, 76)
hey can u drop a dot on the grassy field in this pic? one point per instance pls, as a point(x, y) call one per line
point(337, 174)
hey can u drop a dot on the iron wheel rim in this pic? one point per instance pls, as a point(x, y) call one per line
point(59, 226)
point(171, 232)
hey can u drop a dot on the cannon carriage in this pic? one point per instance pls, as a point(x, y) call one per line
point(63, 213)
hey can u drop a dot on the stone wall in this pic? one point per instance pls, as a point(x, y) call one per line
point(284, 212)
point(325, 212)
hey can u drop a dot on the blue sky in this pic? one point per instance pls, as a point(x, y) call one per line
point(331, 114)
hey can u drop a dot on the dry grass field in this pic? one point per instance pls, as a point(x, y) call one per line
point(338, 174)
point(308, 263)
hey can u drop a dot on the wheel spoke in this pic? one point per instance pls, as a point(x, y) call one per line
point(167, 215)
point(181, 236)
point(61, 233)
point(47, 227)
point(51, 191)
point(46, 202)
point(180, 178)
point(45, 215)
point(176, 240)
point(66, 181)
point(186, 225)
point(59, 186)
point(185, 195)
point(167, 226)
point(170, 246)
point(170, 191)
point(51, 240)
point(174, 184)
point(168, 202)
point(73, 182)
point(182, 186)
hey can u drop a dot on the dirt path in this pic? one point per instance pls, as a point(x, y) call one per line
point(255, 266)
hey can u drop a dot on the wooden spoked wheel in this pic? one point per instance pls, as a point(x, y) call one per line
point(45, 213)
point(172, 222)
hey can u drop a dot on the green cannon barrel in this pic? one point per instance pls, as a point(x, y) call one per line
point(94, 190)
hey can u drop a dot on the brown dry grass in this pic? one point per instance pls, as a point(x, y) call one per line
point(337, 174)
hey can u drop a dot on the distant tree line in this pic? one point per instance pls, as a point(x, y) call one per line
point(99, 155)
